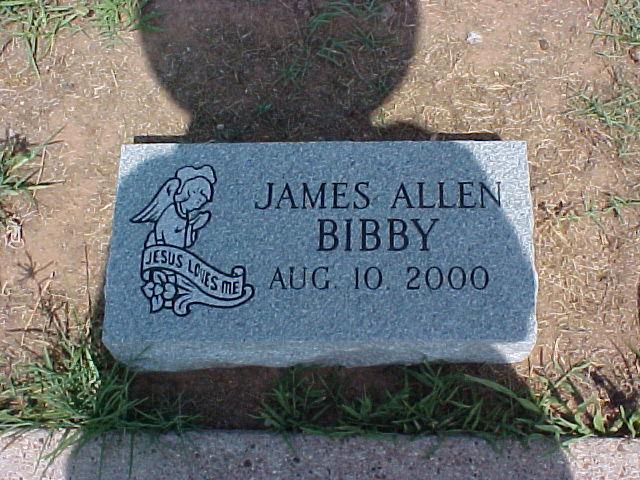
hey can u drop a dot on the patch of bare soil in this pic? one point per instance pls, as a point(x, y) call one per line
point(257, 71)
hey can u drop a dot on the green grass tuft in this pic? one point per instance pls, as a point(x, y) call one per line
point(619, 114)
point(323, 43)
point(361, 10)
point(115, 16)
point(17, 171)
point(619, 111)
point(615, 205)
point(77, 387)
point(437, 399)
point(37, 23)
point(620, 22)
point(294, 72)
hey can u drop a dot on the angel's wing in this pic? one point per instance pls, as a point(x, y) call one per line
point(164, 198)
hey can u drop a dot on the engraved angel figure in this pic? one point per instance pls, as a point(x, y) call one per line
point(175, 209)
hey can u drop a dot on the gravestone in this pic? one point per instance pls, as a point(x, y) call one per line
point(328, 253)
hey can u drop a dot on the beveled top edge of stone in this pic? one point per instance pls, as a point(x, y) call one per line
point(127, 146)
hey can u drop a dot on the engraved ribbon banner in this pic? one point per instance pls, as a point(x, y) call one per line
point(176, 279)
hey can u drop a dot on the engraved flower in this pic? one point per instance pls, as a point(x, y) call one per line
point(160, 290)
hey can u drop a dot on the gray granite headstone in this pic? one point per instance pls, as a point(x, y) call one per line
point(328, 253)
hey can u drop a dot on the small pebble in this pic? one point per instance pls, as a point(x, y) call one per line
point(544, 44)
point(304, 7)
point(634, 53)
point(387, 12)
point(473, 38)
point(220, 126)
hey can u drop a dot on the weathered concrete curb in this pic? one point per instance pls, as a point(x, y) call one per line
point(258, 455)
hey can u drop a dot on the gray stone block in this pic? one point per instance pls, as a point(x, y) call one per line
point(331, 252)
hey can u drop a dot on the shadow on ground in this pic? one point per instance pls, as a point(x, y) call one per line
point(260, 71)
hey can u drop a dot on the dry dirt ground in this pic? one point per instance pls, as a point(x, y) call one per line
point(255, 71)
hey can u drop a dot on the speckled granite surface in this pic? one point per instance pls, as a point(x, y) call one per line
point(333, 253)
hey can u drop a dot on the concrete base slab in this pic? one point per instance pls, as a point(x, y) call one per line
point(258, 455)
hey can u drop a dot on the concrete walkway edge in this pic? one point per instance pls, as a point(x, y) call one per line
point(260, 455)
